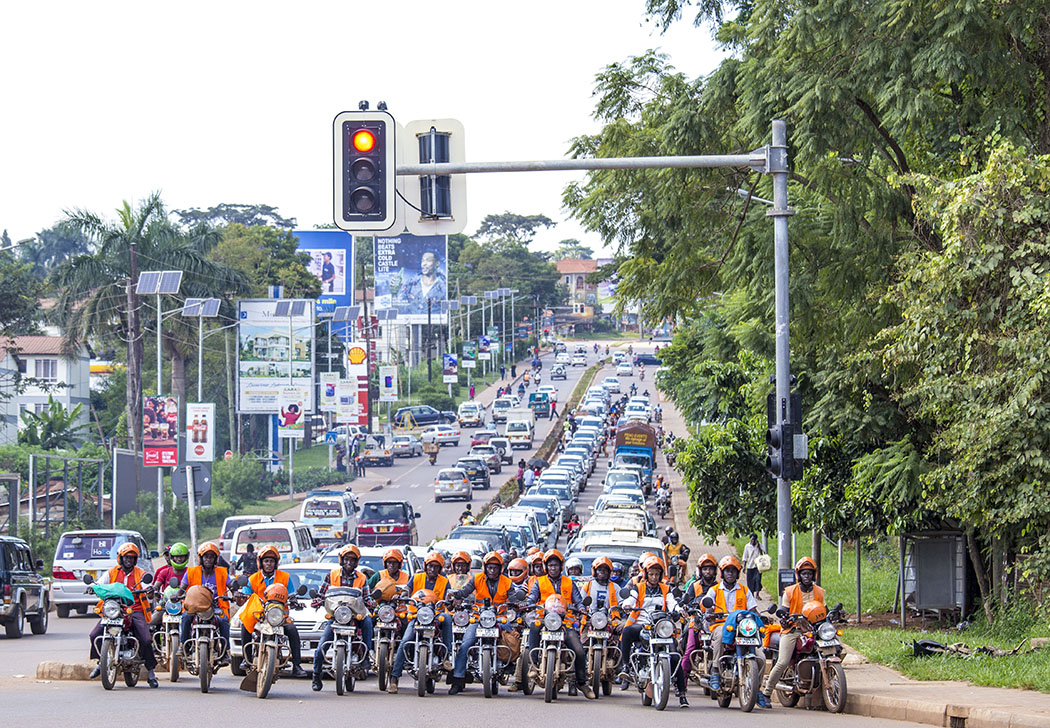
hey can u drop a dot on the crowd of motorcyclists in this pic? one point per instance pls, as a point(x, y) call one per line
point(522, 621)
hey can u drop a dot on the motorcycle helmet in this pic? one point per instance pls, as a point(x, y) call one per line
point(434, 557)
point(269, 550)
point(573, 563)
point(394, 554)
point(492, 558)
point(651, 562)
point(208, 547)
point(705, 559)
point(601, 561)
point(554, 605)
point(128, 549)
point(672, 537)
point(461, 556)
point(728, 561)
point(814, 611)
point(180, 556)
point(425, 596)
point(349, 549)
point(553, 554)
point(532, 550)
point(276, 593)
point(520, 566)
point(805, 563)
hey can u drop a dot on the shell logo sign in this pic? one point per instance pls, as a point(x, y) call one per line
point(356, 355)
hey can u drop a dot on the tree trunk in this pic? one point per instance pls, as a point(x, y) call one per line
point(230, 364)
point(982, 575)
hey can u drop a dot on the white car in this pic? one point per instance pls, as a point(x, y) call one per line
point(91, 552)
point(611, 384)
point(636, 412)
point(579, 360)
point(563, 358)
point(549, 389)
point(624, 369)
point(441, 434)
point(452, 483)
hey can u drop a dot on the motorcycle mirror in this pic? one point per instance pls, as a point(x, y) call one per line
point(838, 607)
point(314, 593)
point(587, 600)
point(147, 578)
point(771, 609)
point(708, 602)
point(677, 593)
point(242, 580)
point(301, 591)
point(88, 578)
point(625, 592)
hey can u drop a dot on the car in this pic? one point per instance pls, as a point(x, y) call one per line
point(387, 523)
point(564, 474)
point(24, 589)
point(560, 347)
point(93, 552)
point(343, 431)
point(477, 471)
point(371, 559)
point(492, 457)
point(497, 536)
point(476, 547)
point(625, 560)
point(471, 414)
point(619, 356)
point(584, 451)
point(525, 519)
point(293, 540)
point(611, 384)
point(563, 492)
point(558, 372)
point(624, 369)
point(452, 483)
point(540, 403)
point(441, 434)
point(647, 360)
point(617, 477)
point(481, 437)
point(627, 544)
point(331, 516)
point(579, 359)
point(407, 446)
point(231, 524)
point(420, 415)
point(548, 514)
point(636, 412)
point(563, 358)
point(551, 391)
point(504, 448)
point(500, 407)
point(620, 499)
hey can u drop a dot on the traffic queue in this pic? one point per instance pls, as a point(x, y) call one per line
point(617, 609)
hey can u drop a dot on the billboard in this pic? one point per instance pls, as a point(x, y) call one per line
point(409, 271)
point(160, 424)
point(332, 261)
point(387, 384)
point(470, 355)
point(290, 418)
point(449, 369)
point(200, 432)
point(263, 353)
point(328, 380)
point(484, 348)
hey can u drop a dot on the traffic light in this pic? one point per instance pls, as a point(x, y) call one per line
point(365, 170)
point(437, 203)
point(779, 450)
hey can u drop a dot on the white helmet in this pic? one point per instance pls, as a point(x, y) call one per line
point(573, 562)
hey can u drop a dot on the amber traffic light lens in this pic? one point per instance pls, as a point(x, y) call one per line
point(364, 141)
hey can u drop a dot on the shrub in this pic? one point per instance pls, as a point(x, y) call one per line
point(241, 480)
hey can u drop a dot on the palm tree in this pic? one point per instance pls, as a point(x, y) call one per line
point(54, 428)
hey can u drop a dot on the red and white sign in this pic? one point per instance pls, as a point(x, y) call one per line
point(200, 432)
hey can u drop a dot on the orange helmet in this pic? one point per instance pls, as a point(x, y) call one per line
point(128, 549)
point(434, 557)
point(394, 554)
point(601, 561)
point(426, 596)
point(728, 561)
point(208, 547)
point(553, 554)
point(518, 565)
point(276, 593)
point(493, 558)
point(461, 556)
point(271, 551)
point(706, 559)
point(349, 549)
point(644, 556)
point(805, 563)
point(814, 611)
point(651, 562)
point(532, 550)
point(554, 604)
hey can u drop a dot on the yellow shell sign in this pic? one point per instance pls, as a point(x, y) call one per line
point(356, 355)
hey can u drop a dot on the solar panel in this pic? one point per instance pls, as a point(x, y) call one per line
point(147, 283)
point(170, 280)
point(468, 300)
point(210, 307)
point(192, 308)
point(452, 305)
point(282, 309)
point(491, 294)
point(504, 291)
point(342, 314)
point(298, 308)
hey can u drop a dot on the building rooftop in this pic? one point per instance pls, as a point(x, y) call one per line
point(34, 345)
point(576, 265)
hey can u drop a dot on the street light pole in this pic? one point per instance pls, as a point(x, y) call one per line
point(160, 471)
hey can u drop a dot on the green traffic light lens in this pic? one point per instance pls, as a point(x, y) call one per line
point(362, 200)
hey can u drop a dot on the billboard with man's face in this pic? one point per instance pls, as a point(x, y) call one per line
point(411, 270)
point(332, 261)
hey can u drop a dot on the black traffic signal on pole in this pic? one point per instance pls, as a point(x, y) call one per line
point(365, 169)
point(779, 450)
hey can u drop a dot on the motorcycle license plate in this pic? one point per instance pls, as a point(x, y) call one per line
point(113, 622)
point(827, 643)
point(557, 636)
point(748, 641)
point(172, 619)
point(426, 631)
point(345, 631)
point(595, 635)
point(662, 641)
point(387, 625)
point(488, 632)
point(92, 573)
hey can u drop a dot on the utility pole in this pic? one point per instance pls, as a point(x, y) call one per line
point(160, 471)
point(368, 345)
point(430, 358)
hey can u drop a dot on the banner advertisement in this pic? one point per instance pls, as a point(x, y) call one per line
point(329, 380)
point(387, 384)
point(332, 261)
point(449, 369)
point(200, 432)
point(263, 351)
point(347, 408)
point(160, 437)
point(484, 348)
point(409, 271)
point(470, 355)
point(290, 419)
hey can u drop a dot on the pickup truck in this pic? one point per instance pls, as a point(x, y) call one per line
point(421, 415)
point(378, 450)
point(521, 427)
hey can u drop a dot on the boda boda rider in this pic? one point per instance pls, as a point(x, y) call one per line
point(498, 589)
point(430, 586)
point(266, 575)
point(130, 575)
point(536, 568)
point(554, 583)
point(345, 575)
point(706, 577)
point(460, 570)
point(652, 594)
point(215, 578)
point(600, 588)
point(796, 599)
point(178, 557)
point(729, 596)
point(574, 568)
point(677, 552)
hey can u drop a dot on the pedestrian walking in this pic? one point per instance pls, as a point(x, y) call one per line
point(472, 391)
point(502, 371)
point(521, 478)
point(554, 410)
point(752, 551)
point(513, 371)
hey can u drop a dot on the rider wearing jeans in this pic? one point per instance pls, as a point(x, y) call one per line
point(428, 580)
point(130, 575)
point(215, 578)
point(345, 575)
point(729, 596)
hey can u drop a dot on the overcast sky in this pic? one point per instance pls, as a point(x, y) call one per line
point(233, 101)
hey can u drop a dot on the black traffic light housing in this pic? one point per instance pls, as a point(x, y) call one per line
point(365, 154)
point(780, 440)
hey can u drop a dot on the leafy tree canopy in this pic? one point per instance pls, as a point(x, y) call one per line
point(267, 256)
point(510, 227)
point(226, 213)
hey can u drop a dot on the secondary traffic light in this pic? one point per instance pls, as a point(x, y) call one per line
point(365, 170)
point(780, 450)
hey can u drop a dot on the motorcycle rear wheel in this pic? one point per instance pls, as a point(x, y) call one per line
point(527, 686)
point(422, 669)
point(173, 660)
point(339, 668)
point(204, 665)
point(383, 666)
point(269, 668)
point(107, 663)
point(750, 684)
point(596, 673)
point(131, 677)
point(550, 685)
point(724, 699)
point(834, 679)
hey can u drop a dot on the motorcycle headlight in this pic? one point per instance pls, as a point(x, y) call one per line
point(173, 607)
point(206, 615)
point(511, 614)
point(343, 614)
point(385, 613)
point(274, 616)
point(664, 628)
point(111, 609)
point(461, 619)
point(599, 620)
point(826, 632)
point(487, 619)
point(551, 622)
point(425, 616)
point(747, 627)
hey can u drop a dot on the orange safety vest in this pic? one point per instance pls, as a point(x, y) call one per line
point(481, 589)
point(641, 599)
point(136, 581)
point(612, 598)
point(739, 601)
point(547, 589)
point(419, 581)
point(401, 580)
point(257, 582)
point(195, 577)
point(793, 597)
point(335, 578)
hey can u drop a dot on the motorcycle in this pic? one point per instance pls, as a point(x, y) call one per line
point(117, 647)
point(739, 667)
point(488, 660)
point(166, 639)
point(461, 615)
point(663, 506)
point(387, 637)
point(651, 661)
point(602, 648)
point(346, 656)
point(270, 648)
point(205, 652)
point(700, 658)
point(816, 665)
point(556, 661)
point(426, 652)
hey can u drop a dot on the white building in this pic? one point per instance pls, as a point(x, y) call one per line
point(47, 371)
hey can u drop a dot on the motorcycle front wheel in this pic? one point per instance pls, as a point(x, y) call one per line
point(107, 663)
point(339, 668)
point(204, 665)
point(595, 665)
point(834, 680)
point(486, 672)
point(422, 669)
point(383, 668)
point(527, 686)
point(750, 684)
point(550, 685)
point(173, 658)
point(661, 681)
point(269, 667)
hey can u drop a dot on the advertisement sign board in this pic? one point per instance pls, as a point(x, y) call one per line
point(263, 352)
point(200, 432)
point(449, 369)
point(409, 271)
point(160, 424)
point(387, 384)
point(290, 420)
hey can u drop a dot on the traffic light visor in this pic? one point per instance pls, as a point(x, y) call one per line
point(364, 141)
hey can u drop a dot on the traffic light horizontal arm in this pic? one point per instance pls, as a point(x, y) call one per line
point(757, 160)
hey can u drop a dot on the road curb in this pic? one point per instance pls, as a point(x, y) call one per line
point(940, 714)
point(54, 670)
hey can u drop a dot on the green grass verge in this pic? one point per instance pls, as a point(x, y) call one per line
point(312, 457)
point(1028, 671)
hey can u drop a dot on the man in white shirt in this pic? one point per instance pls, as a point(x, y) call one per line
point(750, 558)
point(529, 477)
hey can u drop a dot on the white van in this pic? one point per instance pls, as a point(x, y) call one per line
point(292, 539)
point(89, 552)
point(331, 516)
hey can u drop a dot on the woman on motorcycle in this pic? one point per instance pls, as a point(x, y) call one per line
point(796, 598)
point(130, 575)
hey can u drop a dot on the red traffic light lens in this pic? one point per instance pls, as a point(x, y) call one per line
point(363, 140)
